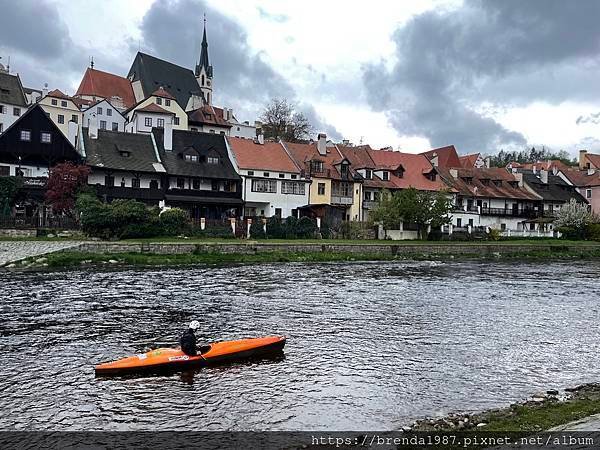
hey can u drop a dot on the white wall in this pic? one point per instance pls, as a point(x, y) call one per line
point(7, 116)
point(209, 129)
point(138, 125)
point(28, 171)
point(116, 117)
point(269, 201)
point(243, 131)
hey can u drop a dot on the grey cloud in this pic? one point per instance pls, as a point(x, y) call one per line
point(591, 118)
point(264, 14)
point(318, 124)
point(507, 52)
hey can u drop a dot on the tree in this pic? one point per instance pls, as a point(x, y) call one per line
point(64, 183)
point(422, 208)
point(9, 186)
point(573, 218)
point(281, 121)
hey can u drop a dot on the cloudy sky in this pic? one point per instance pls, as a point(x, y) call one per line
point(480, 74)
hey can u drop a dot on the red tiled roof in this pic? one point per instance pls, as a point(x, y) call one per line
point(82, 102)
point(303, 154)
point(106, 85)
point(594, 159)
point(162, 92)
point(415, 167)
point(208, 115)
point(268, 156)
point(154, 108)
point(477, 188)
point(581, 178)
point(546, 165)
point(360, 159)
point(57, 93)
point(447, 156)
point(467, 161)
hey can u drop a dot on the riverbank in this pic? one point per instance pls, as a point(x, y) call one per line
point(176, 254)
point(540, 412)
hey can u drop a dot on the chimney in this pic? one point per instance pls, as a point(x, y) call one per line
point(487, 162)
point(453, 172)
point(519, 178)
point(322, 144)
point(591, 171)
point(260, 139)
point(434, 160)
point(544, 176)
point(72, 134)
point(582, 164)
point(93, 127)
point(345, 142)
point(534, 169)
point(168, 136)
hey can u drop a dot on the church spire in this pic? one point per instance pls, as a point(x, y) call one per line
point(203, 63)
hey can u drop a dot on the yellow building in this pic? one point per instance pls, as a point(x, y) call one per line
point(62, 109)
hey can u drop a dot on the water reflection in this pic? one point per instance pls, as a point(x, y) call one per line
point(370, 345)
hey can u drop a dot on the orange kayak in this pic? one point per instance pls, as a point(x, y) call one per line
point(175, 359)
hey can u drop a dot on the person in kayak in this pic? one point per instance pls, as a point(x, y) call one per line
point(188, 339)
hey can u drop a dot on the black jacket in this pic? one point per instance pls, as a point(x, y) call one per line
point(188, 342)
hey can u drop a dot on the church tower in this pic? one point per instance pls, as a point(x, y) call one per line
point(204, 71)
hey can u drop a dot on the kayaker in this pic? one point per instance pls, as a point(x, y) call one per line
point(188, 339)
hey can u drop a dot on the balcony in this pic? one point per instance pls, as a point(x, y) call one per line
point(130, 193)
point(341, 200)
point(527, 213)
point(204, 193)
point(369, 204)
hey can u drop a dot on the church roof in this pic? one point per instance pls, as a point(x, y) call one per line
point(154, 72)
point(203, 63)
point(106, 85)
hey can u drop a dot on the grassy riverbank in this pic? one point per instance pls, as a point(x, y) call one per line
point(539, 413)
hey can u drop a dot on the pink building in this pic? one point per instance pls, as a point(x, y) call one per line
point(587, 183)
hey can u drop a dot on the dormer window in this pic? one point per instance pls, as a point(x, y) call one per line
point(191, 158)
point(124, 153)
point(514, 184)
point(159, 101)
point(468, 180)
point(498, 183)
point(431, 176)
point(399, 172)
point(316, 166)
point(212, 160)
point(385, 175)
point(485, 181)
point(344, 170)
point(368, 174)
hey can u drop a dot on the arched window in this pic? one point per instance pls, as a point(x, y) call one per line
point(202, 80)
point(208, 98)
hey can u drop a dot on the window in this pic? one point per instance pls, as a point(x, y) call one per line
point(400, 172)
point(264, 186)
point(293, 177)
point(103, 124)
point(45, 137)
point(176, 121)
point(122, 182)
point(502, 227)
point(212, 131)
point(321, 189)
point(115, 126)
point(1, 109)
point(159, 101)
point(459, 222)
point(160, 123)
point(250, 172)
point(1, 127)
point(191, 158)
point(16, 112)
point(153, 184)
point(167, 102)
point(54, 102)
point(266, 174)
point(229, 186)
point(4, 171)
point(99, 111)
point(281, 175)
point(367, 196)
point(74, 118)
point(63, 104)
point(470, 222)
point(61, 118)
point(196, 184)
point(109, 180)
point(222, 133)
point(292, 187)
point(316, 166)
point(180, 183)
point(385, 176)
point(148, 121)
point(485, 181)
point(215, 185)
point(588, 193)
point(202, 78)
point(344, 170)
point(25, 135)
point(135, 182)
point(109, 112)
point(212, 160)
point(368, 174)
point(278, 212)
point(125, 153)
point(498, 183)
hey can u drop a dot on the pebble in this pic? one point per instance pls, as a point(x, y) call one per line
point(113, 261)
point(481, 425)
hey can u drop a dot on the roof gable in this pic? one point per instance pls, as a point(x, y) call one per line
point(447, 156)
point(268, 156)
point(11, 90)
point(106, 85)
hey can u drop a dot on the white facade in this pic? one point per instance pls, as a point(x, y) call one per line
point(26, 170)
point(109, 118)
point(243, 130)
point(143, 122)
point(9, 114)
point(289, 193)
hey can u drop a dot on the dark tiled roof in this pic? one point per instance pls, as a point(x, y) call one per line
point(162, 92)
point(557, 189)
point(57, 93)
point(154, 73)
point(11, 90)
point(154, 108)
point(205, 144)
point(107, 151)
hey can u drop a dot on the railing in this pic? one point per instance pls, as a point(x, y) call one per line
point(203, 193)
point(65, 223)
point(130, 192)
point(369, 204)
point(509, 212)
point(341, 200)
point(462, 208)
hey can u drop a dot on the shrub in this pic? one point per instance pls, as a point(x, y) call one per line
point(593, 231)
point(494, 234)
point(256, 229)
point(174, 222)
point(218, 231)
point(306, 228)
point(275, 228)
point(571, 233)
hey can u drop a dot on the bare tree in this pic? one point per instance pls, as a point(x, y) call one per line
point(281, 121)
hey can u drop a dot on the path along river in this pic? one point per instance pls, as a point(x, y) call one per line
point(371, 345)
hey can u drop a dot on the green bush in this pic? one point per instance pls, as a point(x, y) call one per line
point(217, 231)
point(174, 222)
point(571, 233)
point(306, 228)
point(494, 234)
point(593, 231)
point(256, 229)
point(275, 228)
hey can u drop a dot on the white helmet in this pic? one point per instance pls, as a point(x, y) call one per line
point(194, 325)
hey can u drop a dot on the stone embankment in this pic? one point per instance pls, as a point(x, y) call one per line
point(13, 251)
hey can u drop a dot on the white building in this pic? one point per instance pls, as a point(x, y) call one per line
point(109, 118)
point(272, 184)
point(142, 120)
point(12, 99)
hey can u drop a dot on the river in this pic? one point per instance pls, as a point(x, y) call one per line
point(371, 345)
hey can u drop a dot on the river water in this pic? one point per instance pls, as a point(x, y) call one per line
point(371, 345)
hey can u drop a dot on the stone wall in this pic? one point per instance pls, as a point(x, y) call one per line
point(389, 249)
point(18, 233)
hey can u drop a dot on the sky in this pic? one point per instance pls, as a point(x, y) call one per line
point(482, 75)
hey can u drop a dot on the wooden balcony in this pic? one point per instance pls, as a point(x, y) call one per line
point(142, 194)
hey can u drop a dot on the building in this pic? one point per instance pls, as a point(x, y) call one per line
point(473, 161)
point(13, 102)
point(492, 197)
point(97, 85)
point(552, 165)
point(209, 119)
point(272, 184)
point(588, 160)
point(204, 71)
point(155, 111)
point(587, 183)
point(200, 176)
point(446, 157)
point(28, 149)
point(108, 117)
point(333, 181)
point(62, 110)
point(124, 165)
